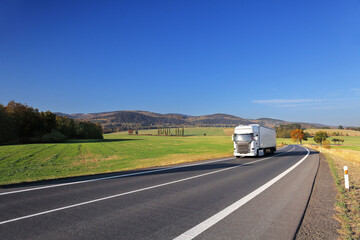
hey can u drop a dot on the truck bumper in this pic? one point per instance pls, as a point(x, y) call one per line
point(250, 154)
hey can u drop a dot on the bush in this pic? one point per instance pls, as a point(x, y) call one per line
point(53, 136)
point(320, 137)
point(326, 144)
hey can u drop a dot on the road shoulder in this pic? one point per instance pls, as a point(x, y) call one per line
point(319, 221)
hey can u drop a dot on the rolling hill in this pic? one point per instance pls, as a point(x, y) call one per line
point(122, 120)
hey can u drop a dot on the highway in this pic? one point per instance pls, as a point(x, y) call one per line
point(246, 198)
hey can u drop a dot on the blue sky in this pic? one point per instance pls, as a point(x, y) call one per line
point(291, 60)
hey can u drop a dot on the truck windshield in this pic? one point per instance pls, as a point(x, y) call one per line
point(243, 137)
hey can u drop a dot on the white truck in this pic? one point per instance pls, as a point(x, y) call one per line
point(253, 140)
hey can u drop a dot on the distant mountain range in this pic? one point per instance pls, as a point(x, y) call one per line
point(123, 120)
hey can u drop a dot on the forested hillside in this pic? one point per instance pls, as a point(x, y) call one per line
point(124, 120)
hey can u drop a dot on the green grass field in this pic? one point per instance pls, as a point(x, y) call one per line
point(118, 152)
point(31, 162)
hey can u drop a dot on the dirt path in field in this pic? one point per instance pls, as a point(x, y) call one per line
point(319, 221)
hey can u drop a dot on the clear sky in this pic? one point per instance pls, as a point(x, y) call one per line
point(291, 60)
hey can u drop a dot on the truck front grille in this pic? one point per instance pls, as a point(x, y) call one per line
point(243, 148)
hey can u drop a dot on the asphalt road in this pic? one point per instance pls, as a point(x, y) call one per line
point(247, 198)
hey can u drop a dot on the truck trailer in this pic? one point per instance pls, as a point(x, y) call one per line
point(253, 140)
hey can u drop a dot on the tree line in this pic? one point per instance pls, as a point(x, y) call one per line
point(353, 128)
point(167, 132)
point(20, 123)
point(284, 130)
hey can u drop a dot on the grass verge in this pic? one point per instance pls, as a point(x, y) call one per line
point(348, 201)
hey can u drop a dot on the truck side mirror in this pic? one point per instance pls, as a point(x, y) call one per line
point(232, 137)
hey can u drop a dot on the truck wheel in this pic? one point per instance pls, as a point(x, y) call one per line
point(237, 156)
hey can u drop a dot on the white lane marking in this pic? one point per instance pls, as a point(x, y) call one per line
point(116, 176)
point(134, 191)
point(198, 229)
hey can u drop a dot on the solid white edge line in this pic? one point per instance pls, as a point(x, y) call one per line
point(116, 176)
point(134, 191)
point(203, 226)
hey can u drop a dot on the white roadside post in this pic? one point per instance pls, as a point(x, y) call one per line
point(346, 177)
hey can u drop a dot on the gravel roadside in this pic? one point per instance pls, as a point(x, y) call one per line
point(319, 221)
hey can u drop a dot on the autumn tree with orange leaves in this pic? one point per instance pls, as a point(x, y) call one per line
point(298, 135)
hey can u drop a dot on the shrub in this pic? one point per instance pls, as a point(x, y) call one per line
point(53, 136)
point(320, 137)
point(326, 144)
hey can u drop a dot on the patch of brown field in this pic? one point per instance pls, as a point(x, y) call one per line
point(345, 145)
point(75, 164)
point(228, 131)
point(86, 159)
point(48, 158)
point(82, 156)
point(109, 158)
point(92, 158)
point(343, 132)
point(347, 155)
point(348, 205)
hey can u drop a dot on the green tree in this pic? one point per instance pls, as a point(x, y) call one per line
point(340, 127)
point(26, 119)
point(66, 126)
point(320, 137)
point(49, 120)
point(7, 127)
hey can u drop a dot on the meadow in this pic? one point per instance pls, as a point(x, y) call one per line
point(117, 152)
